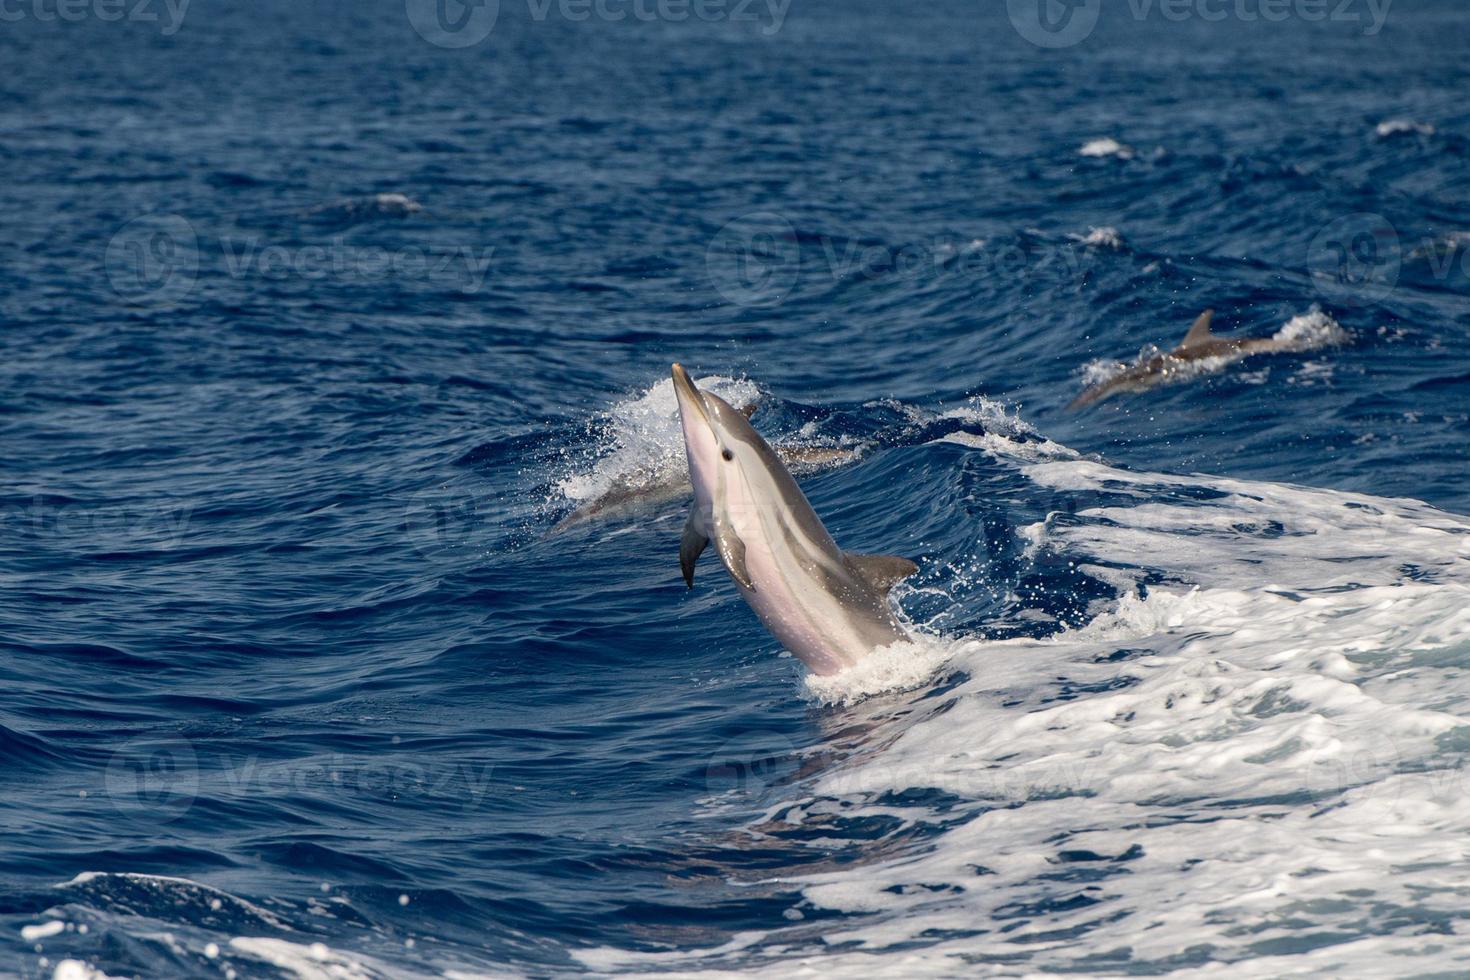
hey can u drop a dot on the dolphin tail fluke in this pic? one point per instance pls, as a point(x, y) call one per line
point(1199, 334)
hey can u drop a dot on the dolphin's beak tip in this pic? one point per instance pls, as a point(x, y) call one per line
point(685, 390)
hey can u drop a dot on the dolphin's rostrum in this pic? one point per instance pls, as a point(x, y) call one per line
point(827, 606)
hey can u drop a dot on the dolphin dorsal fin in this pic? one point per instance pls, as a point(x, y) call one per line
point(748, 410)
point(882, 572)
point(1199, 334)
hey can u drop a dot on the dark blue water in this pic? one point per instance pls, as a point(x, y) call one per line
point(306, 321)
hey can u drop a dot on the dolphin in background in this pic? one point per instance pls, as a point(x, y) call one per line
point(1198, 345)
point(827, 606)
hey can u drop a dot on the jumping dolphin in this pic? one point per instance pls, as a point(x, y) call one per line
point(827, 606)
point(1197, 345)
point(637, 491)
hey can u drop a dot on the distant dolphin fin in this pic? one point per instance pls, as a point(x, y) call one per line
point(1199, 334)
point(882, 572)
point(691, 546)
point(732, 553)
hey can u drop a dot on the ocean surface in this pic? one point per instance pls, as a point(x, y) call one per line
point(316, 319)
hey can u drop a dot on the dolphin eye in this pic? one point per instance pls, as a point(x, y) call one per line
point(727, 454)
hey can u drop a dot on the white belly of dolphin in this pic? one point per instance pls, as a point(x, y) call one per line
point(805, 593)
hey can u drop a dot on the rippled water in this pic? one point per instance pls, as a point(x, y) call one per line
point(315, 327)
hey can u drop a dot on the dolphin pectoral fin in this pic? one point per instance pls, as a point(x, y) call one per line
point(691, 546)
point(1199, 334)
point(882, 572)
point(732, 553)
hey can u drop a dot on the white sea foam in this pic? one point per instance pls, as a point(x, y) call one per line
point(1104, 237)
point(78, 970)
point(42, 930)
point(1403, 127)
point(1104, 369)
point(315, 961)
point(987, 414)
point(1312, 330)
point(999, 445)
point(1254, 758)
point(997, 428)
point(897, 667)
point(398, 202)
point(1106, 147)
point(182, 917)
point(179, 891)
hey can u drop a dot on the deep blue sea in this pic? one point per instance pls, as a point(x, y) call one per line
point(315, 319)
